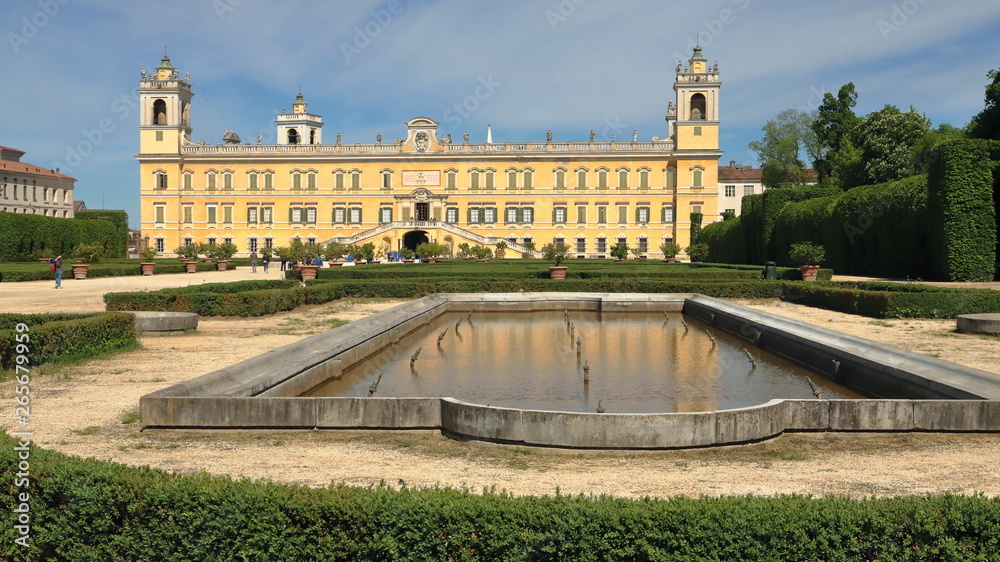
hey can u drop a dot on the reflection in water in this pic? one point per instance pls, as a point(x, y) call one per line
point(638, 362)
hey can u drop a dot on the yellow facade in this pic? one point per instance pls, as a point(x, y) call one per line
point(418, 188)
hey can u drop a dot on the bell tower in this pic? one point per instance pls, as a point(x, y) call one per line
point(299, 126)
point(694, 122)
point(165, 110)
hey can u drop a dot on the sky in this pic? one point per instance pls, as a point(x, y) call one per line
point(71, 68)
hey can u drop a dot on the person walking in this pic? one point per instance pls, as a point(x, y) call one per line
point(57, 267)
point(266, 260)
point(253, 261)
point(284, 261)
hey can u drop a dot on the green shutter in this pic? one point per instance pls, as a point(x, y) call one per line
point(528, 180)
point(520, 215)
point(494, 209)
point(290, 215)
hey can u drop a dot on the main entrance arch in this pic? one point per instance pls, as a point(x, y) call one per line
point(414, 238)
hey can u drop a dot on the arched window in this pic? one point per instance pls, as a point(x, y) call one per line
point(293, 136)
point(698, 107)
point(159, 112)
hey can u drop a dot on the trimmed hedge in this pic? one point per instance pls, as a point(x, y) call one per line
point(962, 213)
point(894, 300)
point(84, 509)
point(22, 236)
point(119, 246)
point(55, 336)
point(40, 271)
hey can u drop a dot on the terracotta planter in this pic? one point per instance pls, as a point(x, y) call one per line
point(190, 266)
point(221, 265)
point(809, 272)
point(308, 271)
point(332, 264)
point(557, 272)
point(432, 260)
point(147, 268)
point(482, 261)
point(80, 270)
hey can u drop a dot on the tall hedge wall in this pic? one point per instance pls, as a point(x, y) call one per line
point(21, 236)
point(798, 222)
point(962, 217)
point(728, 241)
point(119, 219)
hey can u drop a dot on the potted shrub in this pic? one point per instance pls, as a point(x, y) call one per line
point(464, 250)
point(620, 251)
point(87, 254)
point(501, 247)
point(221, 253)
point(556, 252)
point(530, 246)
point(432, 251)
point(147, 264)
point(808, 257)
point(334, 252)
point(670, 249)
point(407, 255)
point(636, 252)
point(189, 256)
point(45, 255)
point(481, 253)
point(698, 252)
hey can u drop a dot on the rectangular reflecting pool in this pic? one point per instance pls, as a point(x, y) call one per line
point(639, 362)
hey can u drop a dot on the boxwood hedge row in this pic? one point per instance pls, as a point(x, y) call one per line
point(84, 509)
point(21, 236)
point(40, 271)
point(894, 300)
point(57, 336)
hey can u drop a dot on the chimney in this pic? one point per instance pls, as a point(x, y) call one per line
point(732, 164)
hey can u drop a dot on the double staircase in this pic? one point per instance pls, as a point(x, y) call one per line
point(467, 235)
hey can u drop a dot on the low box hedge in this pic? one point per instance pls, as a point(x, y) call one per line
point(85, 509)
point(59, 336)
point(894, 300)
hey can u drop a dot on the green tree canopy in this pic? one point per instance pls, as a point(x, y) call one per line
point(787, 138)
point(986, 124)
point(886, 139)
point(835, 121)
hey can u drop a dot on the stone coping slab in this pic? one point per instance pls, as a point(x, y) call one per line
point(987, 323)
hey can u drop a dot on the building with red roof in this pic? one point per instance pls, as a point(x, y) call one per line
point(33, 190)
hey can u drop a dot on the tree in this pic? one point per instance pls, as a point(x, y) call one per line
point(886, 139)
point(787, 139)
point(835, 121)
point(986, 124)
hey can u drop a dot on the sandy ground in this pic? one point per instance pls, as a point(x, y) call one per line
point(81, 409)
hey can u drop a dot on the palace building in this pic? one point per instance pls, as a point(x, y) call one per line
point(421, 187)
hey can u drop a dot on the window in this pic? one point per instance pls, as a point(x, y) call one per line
point(338, 181)
point(268, 242)
point(211, 241)
point(511, 179)
point(670, 178)
point(560, 179)
point(161, 182)
point(730, 191)
point(252, 215)
point(311, 215)
point(747, 190)
point(211, 213)
point(559, 215)
point(643, 245)
point(188, 241)
point(733, 211)
point(451, 214)
point(696, 208)
point(622, 214)
point(266, 214)
point(210, 179)
point(489, 180)
point(188, 214)
point(668, 214)
point(253, 182)
point(489, 215)
point(602, 179)
point(227, 241)
point(526, 240)
point(697, 131)
point(45, 194)
point(528, 215)
point(622, 179)
point(621, 240)
point(602, 245)
point(386, 180)
point(643, 179)
point(696, 178)
point(559, 240)
point(452, 180)
point(268, 182)
point(339, 215)
point(252, 244)
point(642, 215)
point(474, 215)
point(474, 181)
point(311, 241)
point(355, 215)
point(311, 181)
point(385, 215)
point(296, 182)
point(227, 182)
point(581, 214)
point(159, 135)
point(528, 180)
point(511, 214)
point(227, 214)
point(581, 179)
point(161, 245)
point(160, 214)
point(187, 182)
point(356, 180)
point(295, 214)
point(581, 245)
point(602, 215)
